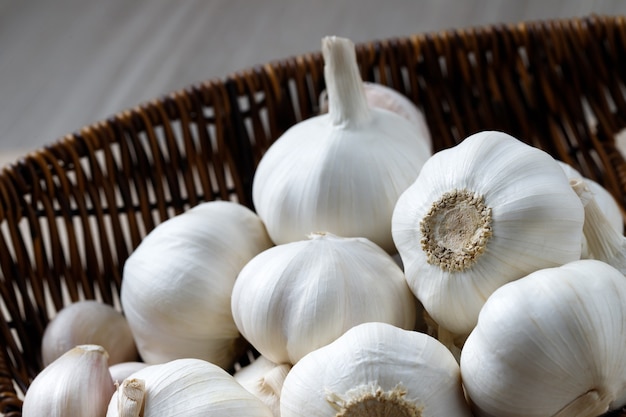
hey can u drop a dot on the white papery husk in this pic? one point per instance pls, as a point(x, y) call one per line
point(299, 296)
point(605, 200)
point(264, 379)
point(76, 383)
point(547, 339)
point(191, 387)
point(177, 284)
point(536, 222)
point(381, 362)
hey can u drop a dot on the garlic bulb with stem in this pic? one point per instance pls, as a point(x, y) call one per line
point(550, 344)
point(77, 383)
point(185, 387)
point(264, 379)
point(298, 296)
point(342, 171)
point(177, 284)
point(89, 322)
point(383, 97)
point(487, 211)
point(376, 369)
point(603, 241)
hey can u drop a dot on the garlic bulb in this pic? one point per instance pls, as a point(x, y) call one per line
point(339, 172)
point(296, 297)
point(89, 322)
point(381, 96)
point(605, 200)
point(121, 371)
point(604, 242)
point(184, 387)
point(376, 369)
point(264, 379)
point(177, 284)
point(550, 344)
point(487, 211)
point(77, 383)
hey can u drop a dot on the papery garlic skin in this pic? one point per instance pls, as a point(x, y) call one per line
point(177, 284)
point(483, 213)
point(191, 387)
point(296, 297)
point(77, 383)
point(89, 322)
point(375, 367)
point(552, 342)
point(340, 172)
point(603, 241)
point(264, 379)
point(605, 200)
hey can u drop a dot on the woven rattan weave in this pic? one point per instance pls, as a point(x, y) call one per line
point(72, 212)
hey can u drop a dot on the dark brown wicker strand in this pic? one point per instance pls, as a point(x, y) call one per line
point(73, 211)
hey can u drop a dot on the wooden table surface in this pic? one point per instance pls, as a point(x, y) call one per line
point(65, 64)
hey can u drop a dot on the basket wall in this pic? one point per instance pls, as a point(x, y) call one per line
point(72, 212)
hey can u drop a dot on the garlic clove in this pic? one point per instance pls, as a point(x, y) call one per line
point(89, 322)
point(264, 379)
point(130, 398)
point(186, 387)
point(375, 369)
point(77, 383)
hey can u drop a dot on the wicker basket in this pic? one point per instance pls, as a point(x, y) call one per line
point(72, 212)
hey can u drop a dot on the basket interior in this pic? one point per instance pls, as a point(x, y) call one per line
point(72, 212)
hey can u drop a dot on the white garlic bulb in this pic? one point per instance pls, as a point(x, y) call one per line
point(185, 387)
point(177, 284)
point(296, 297)
point(603, 241)
point(381, 96)
point(342, 171)
point(487, 211)
point(264, 379)
point(89, 322)
point(376, 369)
point(77, 383)
point(550, 344)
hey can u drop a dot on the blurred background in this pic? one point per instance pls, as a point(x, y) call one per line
point(65, 64)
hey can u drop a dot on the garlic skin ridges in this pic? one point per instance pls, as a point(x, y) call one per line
point(177, 283)
point(296, 297)
point(77, 383)
point(550, 344)
point(342, 171)
point(189, 387)
point(485, 212)
point(376, 369)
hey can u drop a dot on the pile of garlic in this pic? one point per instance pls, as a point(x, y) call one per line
point(374, 278)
